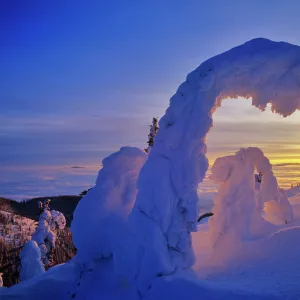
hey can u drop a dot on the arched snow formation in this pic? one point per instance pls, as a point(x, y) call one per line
point(240, 201)
point(165, 211)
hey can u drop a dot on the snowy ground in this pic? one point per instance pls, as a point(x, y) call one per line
point(99, 282)
point(262, 269)
point(270, 265)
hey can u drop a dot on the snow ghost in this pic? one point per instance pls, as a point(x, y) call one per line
point(99, 219)
point(31, 265)
point(234, 204)
point(239, 204)
point(44, 236)
point(45, 233)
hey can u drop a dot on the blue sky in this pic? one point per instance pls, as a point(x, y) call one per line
point(79, 79)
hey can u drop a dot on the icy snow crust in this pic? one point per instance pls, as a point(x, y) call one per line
point(165, 211)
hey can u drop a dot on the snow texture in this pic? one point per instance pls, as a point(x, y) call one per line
point(44, 236)
point(238, 205)
point(57, 221)
point(165, 211)
point(31, 265)
point(280, 212)
point(99, 219)
point(45, 233)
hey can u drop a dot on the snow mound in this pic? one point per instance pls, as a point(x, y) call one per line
point(295, 191)
point(56, 283)
point(166, 204)
point(31, 265)
point(99, 219)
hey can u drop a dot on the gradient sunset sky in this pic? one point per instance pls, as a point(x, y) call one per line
point(80, 79)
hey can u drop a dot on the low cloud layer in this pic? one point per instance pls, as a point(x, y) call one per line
point(55, 154)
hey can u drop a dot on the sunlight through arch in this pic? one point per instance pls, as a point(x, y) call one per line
point(167, 199)
point(238, 124)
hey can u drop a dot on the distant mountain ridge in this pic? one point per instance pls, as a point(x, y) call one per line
point(29, 209)
point(18, 223)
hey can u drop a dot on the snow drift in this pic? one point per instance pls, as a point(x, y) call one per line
point(99, 218)
point(166, 204)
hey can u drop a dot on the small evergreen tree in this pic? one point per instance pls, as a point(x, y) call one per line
point(153, 131)
point(84, 192)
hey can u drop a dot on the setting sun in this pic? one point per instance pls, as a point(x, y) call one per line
point(238, 124)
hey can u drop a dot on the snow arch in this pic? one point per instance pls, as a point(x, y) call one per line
point(239, 201)
point(165, 211)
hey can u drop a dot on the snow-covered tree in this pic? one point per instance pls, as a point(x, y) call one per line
point(57, 221)
point(44, 237)
point(45, 234)
point(153, 131)
point(238, 204)
point(100, 217)
point(31, 264)
point(1, 280)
